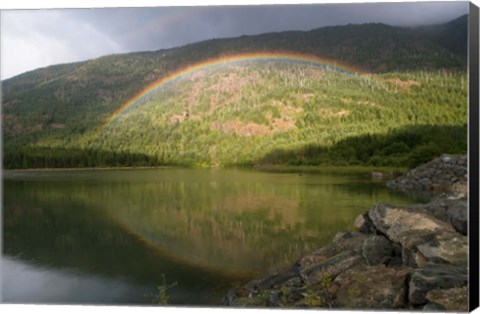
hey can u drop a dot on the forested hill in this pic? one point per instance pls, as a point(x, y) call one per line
point(53, 117)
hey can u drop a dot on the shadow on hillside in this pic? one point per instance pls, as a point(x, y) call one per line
point(403, 147)
point(407, 146)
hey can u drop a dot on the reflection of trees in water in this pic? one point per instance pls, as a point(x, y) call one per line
point(43, 230)
point(224, 220)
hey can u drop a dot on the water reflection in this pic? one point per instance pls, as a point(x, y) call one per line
point(29, 283)
point(205, 229)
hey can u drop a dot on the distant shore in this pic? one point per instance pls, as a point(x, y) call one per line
point(85, 169)
point(353, 169)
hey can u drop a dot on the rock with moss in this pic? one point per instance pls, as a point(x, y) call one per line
point(452, 209)
point(364, 224)
point(342, 242)
point(453, 299)
point(332, 267)
point(428, 238)
point(377, 250)
point(447, 173)
point(373, 287)
point(432, 277)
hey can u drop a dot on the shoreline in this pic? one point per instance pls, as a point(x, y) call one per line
point(384, 171)
point(85, 169)
point(412, 257)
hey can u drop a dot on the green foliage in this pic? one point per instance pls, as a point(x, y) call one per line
point(423, 153)
point(247, 112)
point(333, 119)
point(425, 143)
point(310, 299)
point(162, 296)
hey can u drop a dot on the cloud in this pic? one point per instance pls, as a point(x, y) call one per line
point(164, 27)
point(33, 39)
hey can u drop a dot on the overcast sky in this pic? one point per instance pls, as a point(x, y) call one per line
point(36, 38)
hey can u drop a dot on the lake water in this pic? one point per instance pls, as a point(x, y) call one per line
point(114, 236)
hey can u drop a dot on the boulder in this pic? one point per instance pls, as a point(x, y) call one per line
point(425, 182)
point(433, 277)
point(372, 287)
point(343, 241)
point(330, 268)
point(273, 299)
point(417, 231)
point(446, 248)
point(457, 213)
point(433, 307)
point(377, 250)
point(454, 299)
point(444, 174)
point(452, 209)
point(229, 298)
point(284, 277)
point(364, 224)
point(408, 258)
point(391, 184)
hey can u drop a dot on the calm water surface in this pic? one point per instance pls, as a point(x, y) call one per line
point(111, 236)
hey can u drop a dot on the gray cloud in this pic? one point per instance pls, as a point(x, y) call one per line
point(32, 39)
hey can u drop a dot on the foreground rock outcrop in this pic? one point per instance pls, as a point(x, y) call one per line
point(447, 173)
point(401, 257)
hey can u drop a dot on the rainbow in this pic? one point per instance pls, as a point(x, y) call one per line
point(151, 89)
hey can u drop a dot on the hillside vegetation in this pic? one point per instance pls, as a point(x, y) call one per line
point(411, 107)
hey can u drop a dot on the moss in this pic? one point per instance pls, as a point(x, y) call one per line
point(312, 300)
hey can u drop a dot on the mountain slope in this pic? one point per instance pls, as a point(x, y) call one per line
point(56, 114)
point(453, 35)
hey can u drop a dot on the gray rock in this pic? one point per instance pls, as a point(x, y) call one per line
point(454, 299)
point(377, 250)
point(460, 171)
point(432, 277)
point(391, 184)
point(273, 299)
point(420, 259)
point(433, 307)
point(340, 236)
point(293, 295)
point(343, 242)
point(274, 280)
point(408, 258)
point(417, 231)
point(437, 175)
point(330, 268)
point(364, 224)
point(229, 298)
point(372, 287)
point(446, 158)
point(425, 182)
point(446, 248)
point(452, 209)
point(457, 213)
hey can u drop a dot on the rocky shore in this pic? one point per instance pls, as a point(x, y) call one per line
point(401, 257)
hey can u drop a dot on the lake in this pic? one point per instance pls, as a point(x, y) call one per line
point(115, 236)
